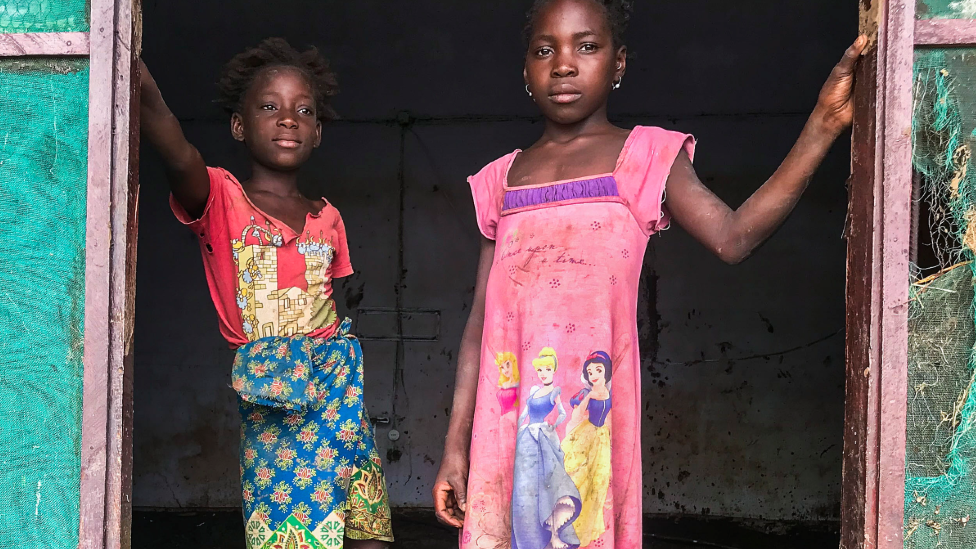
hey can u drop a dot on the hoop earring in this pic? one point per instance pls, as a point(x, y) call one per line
point(616, 85)
point(527, 90)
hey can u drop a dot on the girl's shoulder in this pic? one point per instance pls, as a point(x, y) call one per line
point(222, 176)
point(488, 191)
point(493, 174)
point(225, 184)
point(647, 142)
point(642, 172)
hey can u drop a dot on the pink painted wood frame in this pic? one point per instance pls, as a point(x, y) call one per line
point(61, 44)
point(895, 203)
point(878, 275)
point(109, 276)
point(95, 438)
point(112, 195)
point(945, 32)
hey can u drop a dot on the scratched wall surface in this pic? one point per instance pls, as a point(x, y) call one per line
point(743, 366)
point(43, 177)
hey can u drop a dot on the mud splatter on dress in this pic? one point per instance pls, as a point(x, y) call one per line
point(563, 468)
point(310, 473)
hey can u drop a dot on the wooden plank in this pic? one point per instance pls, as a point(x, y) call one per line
point(94, 443)
point(61, 44)
point(106, 503)
point(896, 203)
point(879, 242)
point(859, 486)
point(125, 186)
point(945, 32)
point(869, 20)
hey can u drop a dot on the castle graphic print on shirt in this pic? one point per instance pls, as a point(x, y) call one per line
point(267, 279)
point(267, 309)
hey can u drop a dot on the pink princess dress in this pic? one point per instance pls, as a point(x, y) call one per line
point(562, 297)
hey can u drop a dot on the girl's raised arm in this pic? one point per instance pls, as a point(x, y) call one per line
point(734, 234)
point(185, 168)
point(450, 487)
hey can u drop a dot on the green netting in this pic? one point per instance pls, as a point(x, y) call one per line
point(940, 486)
point(43, 175)
point(941, 338)
point(945, 9)
point(44, 16)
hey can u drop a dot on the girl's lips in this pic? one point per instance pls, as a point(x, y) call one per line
point(288, 143)
point(564, 98)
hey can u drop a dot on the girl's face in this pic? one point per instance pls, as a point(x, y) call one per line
point(571, 62)
point(596, 373)
point(546, 374)
point(507, 370)
point(278, 119)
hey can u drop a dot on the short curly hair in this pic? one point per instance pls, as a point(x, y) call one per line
point(618, 15)
point(239, 73)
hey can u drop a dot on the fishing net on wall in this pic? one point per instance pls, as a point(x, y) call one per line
point(18, 16)
point(43, 189)
point(940, 486)
point(945, 9)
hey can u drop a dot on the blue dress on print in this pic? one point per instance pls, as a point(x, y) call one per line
point(541, 485)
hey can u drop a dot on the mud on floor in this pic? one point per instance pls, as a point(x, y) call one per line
point(417, 529)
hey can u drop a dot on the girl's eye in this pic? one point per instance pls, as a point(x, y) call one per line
point(588, 47)
point(305, 111)
point(542, 52)
point(267, 107)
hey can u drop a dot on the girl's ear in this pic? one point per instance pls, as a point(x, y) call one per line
point(318, 133)
point(237, 127)
point(621, 63)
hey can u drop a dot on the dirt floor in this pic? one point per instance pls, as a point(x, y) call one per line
point(416, 529)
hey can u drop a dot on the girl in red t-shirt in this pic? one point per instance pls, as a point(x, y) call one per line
point(309, 466)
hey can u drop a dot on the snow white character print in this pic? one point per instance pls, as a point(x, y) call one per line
point(587, 445)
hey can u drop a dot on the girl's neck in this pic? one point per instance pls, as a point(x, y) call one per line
point(279, 183)
point(565, 133)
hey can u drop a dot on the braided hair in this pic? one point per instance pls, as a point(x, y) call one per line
point(239, 73)
point(617, 12)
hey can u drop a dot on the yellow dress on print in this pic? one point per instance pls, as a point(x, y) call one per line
point(587, 460)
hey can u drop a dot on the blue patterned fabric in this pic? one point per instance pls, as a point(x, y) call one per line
point(310, 473)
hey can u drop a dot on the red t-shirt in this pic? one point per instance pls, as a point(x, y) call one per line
point(265, 279)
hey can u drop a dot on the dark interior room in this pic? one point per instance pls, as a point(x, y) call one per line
point(742, 366)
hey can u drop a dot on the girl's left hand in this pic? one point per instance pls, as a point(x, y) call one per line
point(835, 106)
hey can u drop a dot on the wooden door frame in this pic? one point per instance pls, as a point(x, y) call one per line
point(110, 243)
point(879, 233)
point(113, 156)
point(879, 236)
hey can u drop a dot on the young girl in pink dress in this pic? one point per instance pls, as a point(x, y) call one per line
point(566, 223)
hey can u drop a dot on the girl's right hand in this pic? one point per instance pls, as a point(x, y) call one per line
point(450, 490)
